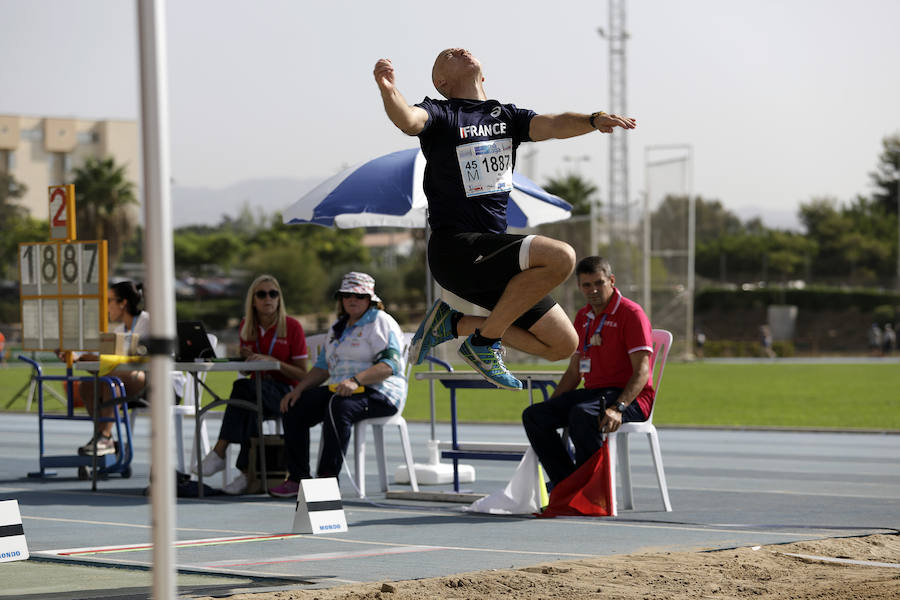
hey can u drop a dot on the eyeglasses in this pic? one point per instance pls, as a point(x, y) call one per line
point(343, 295)
point(261, 294)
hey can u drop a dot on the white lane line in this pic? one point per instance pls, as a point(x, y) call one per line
point(319, 556)
point(140, 526)
point(180, 544)
point(780, 492)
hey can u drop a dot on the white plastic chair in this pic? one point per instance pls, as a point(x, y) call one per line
point(618, 441)
point(378, 424)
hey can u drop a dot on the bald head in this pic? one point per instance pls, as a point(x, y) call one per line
point(457, 74)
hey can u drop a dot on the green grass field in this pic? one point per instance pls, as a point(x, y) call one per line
point(842, 396)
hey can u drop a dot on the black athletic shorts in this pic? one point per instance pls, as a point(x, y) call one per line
point(478, 266)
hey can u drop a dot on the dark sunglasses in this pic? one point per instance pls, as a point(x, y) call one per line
point(349, 295)
point(261, 294)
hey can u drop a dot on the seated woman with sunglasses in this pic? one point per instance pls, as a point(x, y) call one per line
point(266, 333)
point(364, 363)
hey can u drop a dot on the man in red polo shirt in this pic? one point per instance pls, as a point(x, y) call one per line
point(614, 359)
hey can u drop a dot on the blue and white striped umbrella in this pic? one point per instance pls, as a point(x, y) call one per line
point(387, 192)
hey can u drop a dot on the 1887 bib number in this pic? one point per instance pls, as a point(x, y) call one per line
point(486, 167)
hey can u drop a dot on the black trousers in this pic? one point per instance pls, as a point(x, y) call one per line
point(240, 424)
point(337, 415)
point(578, 410)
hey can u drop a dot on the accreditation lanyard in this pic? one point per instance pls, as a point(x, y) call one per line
point(271, 345)
point(584, 365)
point(134, 321)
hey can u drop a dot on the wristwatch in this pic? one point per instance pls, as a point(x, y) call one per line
point(621, 406)
point(599, 113)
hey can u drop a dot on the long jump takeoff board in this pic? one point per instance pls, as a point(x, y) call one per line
point(63, 284)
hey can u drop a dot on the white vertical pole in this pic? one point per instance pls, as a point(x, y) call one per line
point(159, 264)
point(647, 246)
point(898, 229)
point(429, 300)
point(692, 234)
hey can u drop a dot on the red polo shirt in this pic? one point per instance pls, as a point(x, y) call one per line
point(286, 349)
point(626, 329)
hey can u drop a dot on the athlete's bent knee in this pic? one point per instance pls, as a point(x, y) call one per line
point(555, 254)
point(561, 351)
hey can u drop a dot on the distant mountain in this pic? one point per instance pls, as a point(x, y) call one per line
point(772, 218)
point(207, 206)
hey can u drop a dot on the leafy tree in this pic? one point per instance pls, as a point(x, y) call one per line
point(670, 220)
point(334, 247)
point(302, 276)
point(886, 176)
point(11, 190)
point(855, 242)
point(104, 197)
point(16, 225)
point(133, 249)
point(575, 190)
point(788, 253)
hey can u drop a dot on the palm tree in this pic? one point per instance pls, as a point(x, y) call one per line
point(10, 191)
point(103, 200)
point(574, 189)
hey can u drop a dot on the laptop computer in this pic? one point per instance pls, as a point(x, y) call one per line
point(193, 343)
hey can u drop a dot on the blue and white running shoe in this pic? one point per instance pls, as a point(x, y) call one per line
point(486, 360)
point(436, 328)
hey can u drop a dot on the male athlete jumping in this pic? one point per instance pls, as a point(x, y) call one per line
point(470, 143)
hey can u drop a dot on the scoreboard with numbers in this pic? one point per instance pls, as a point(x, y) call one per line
point(63, 284)
point(63, 291)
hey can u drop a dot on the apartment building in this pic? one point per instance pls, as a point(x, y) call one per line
point(42, 151)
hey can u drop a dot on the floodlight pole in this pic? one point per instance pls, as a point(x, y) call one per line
point(160, 275)
point(617, 191)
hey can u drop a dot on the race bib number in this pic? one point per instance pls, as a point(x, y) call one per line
point(486, 167)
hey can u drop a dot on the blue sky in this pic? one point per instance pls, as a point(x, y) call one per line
point(782, 101)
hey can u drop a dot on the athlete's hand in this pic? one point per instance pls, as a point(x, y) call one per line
point(605, 123)
point(384, 74)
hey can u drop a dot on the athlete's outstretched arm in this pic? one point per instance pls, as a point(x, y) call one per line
point(408, 119)
point(566, 125)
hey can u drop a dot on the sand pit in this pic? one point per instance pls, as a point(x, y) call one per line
point(758, 572)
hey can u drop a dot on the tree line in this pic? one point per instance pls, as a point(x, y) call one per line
point(843, 243)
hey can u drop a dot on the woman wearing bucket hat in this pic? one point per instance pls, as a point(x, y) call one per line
point(358, 375)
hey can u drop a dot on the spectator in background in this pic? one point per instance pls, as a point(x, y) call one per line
point(875, 339)
point(2, 348)
point(266, 333)
point(889, 341)
point(765, 339)
point(700, 340)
